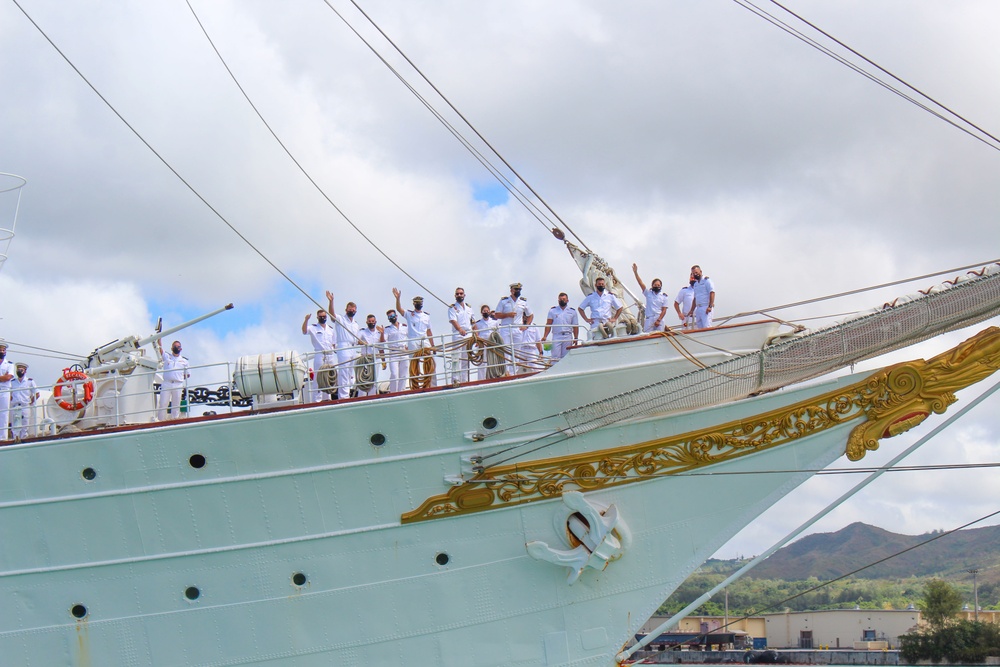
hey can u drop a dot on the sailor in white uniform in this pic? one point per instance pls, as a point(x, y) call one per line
point(175, 375)
point(656, 303)
point(603, 304)
point(346, 329)
point(372, 336)
point(683, 303)
point(324, 341)
point(6, 375)
point(399, 361)
point(23, 395)
point(460, 316)
point(564, 325)
point(531, 354)
point(704, 298)
point(515, 315)
point(484, 327)
point(418, 324)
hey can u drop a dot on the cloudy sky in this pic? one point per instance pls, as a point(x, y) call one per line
point(665, 132)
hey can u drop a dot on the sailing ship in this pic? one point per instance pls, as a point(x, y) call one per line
point(528, 520)
point(536, 519)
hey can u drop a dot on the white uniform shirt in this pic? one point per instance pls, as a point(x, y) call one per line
point(324, 338)
point(563, 321)
point(22, 391)
point(685, 297)
point(395, 336)
point(485, 326)
point(346, 330)
point(174, 369)
point(460, 313)
point(371, 338)
point(522, 311)
point(655, 302)
point(602, 306)
point(7, 366)
point(702, 289)
point(418, 323)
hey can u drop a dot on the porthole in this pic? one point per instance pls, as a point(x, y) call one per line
point(88, 474)
point(377, 439)
point(197, 461)
point(78, 611)
point(192, 593)
point(490, 423)
point(299, 579)
point(442, 558)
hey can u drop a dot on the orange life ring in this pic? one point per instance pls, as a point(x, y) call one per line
point(71, 378)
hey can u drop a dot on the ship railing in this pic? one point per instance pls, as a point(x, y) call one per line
point(129, 397)
point(452, 360)
point(83, 403)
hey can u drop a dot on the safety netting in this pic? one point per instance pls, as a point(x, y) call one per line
point(952, 305)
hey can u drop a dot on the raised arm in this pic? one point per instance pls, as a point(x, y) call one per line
point(305, 323)
point(399, 307)
point(635, 270)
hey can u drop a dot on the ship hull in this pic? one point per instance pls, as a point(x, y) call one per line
point(272, 502)
point(460, 526)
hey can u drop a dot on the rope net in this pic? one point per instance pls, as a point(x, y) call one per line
point(952, 305)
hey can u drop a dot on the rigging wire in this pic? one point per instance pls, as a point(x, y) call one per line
point(864, 289)
point(298, 164)
point(52, 354)
point(905, 83)
point(510, 187)
point(770, 18)
point(164, 161)
point(869, 565)
point(944, 467)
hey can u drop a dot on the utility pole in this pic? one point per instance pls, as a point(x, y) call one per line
point(975, 592)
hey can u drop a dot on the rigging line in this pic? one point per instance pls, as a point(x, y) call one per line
point(163, 160)
point(878, 562)
point(944, 467)
point(864, 289)
point(45, 349)
point(746, 4)
point(778, 23)
point(529, 205)
point(671, 337)
point(470, 125)
point(875, 64)
point(298, 164)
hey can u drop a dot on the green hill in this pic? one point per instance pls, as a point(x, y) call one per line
point(796, 577)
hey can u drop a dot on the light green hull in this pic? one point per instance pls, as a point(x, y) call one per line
point(288, 546)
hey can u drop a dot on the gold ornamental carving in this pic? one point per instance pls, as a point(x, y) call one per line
point(887, 403)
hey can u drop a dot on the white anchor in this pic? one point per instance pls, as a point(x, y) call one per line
point(598, 545)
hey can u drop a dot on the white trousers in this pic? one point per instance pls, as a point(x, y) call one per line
point(345, 372)
point(399, 370)
point(460, 361)
point(650, 324)
point(512, 337)
point(169, 394)
point(19, 420)
point(4, 413)
point(560, 345)
point(702, 318)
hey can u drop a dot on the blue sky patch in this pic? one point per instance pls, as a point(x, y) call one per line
point(492, 193)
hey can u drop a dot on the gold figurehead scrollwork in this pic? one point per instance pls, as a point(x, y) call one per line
point(890, 401)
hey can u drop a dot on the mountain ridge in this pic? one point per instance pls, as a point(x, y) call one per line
point(870, 552)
